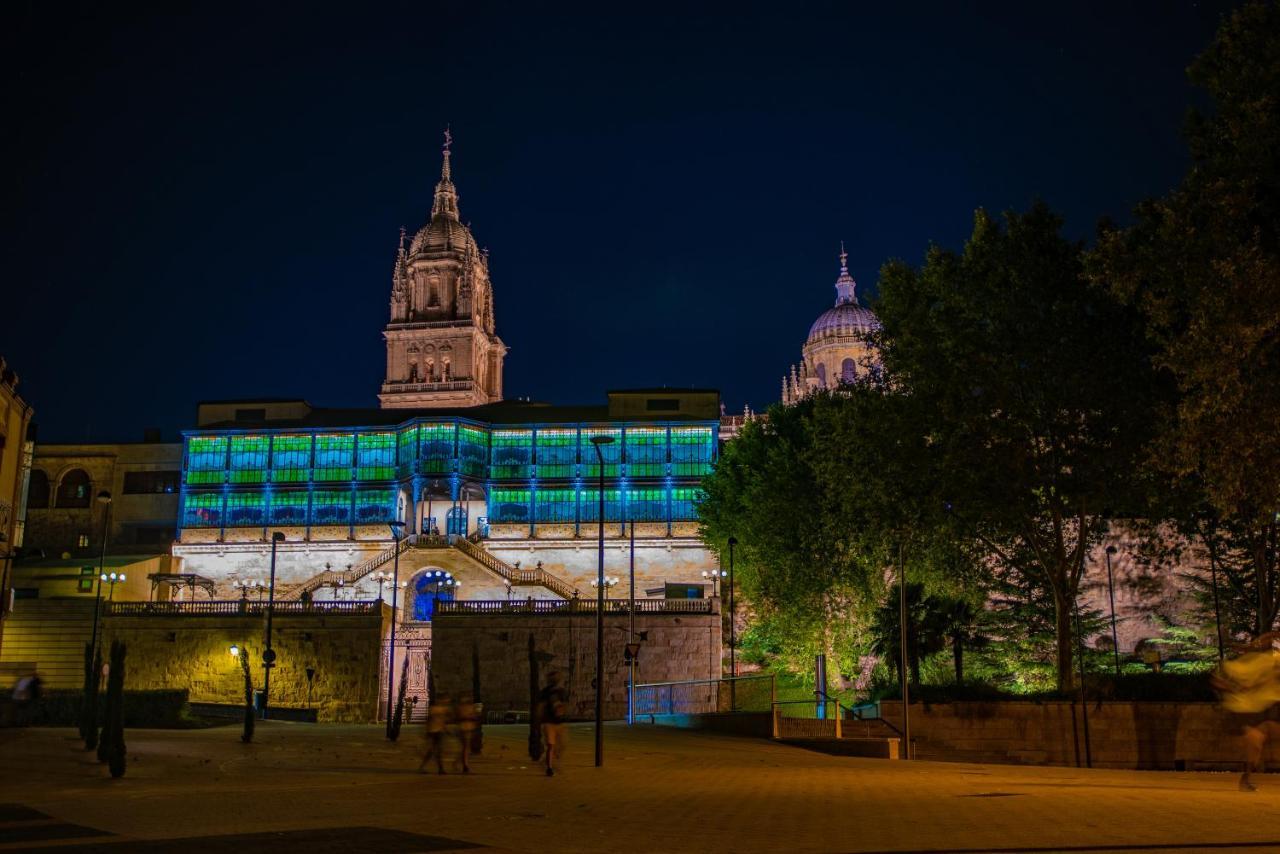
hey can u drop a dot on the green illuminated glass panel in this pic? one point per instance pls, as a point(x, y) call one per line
point(437, 448)
point(557, 453)
point(692, 451)
point(512, 454)
point(646, 451)
point(473, 450)
point(684, 504)
point(290, 459)
point(612, 451)
point(202, 510)
point(375, 505)
point(331, 506)
point(591, 505)
point(206, 459)
point(555, 505)
point(289, 507)
point(508, 505)
point(376, 456)
point(246, 509)
point(334, 453)
point(408, 441)
point(249, 459)
point(647, 505)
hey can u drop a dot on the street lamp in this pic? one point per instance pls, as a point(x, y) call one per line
point(104, 497)
point(397, 529)
point(714, 576)
point(599, 442)
point(1111, 594)
point(111, 578)
point(608, 583)
point(382, 577)
point(269, 654)
point(733, 635)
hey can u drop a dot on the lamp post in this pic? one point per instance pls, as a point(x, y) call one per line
point(382, 577)
point(599, 442)
point(1111, 594)
point(111, 578)
point(104, 497)
point(714, 576)
point(269, 654)
point(633, 650)
point(608, 584)
point(397, 527)
point(733, 635)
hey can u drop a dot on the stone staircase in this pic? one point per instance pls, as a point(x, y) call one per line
point(512, 575)
point(47, 635)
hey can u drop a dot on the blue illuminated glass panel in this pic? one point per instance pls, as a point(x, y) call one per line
point(612, 452)
point(290, 459)
point(591, 505)
point(202, 510)
point(692, 451)
point(508, 505)
point(206, 459)
point(437, 448)
point(473, 450)
point(684, 504)
point(647, 505)
point(375, 505)
point(331, 506)
point(646, 451)
point(376, 456)
point(555, 505)
point(246, 509)
point(249, 459)
point(334, 454)
point(512, 454)
point(408, 441)
point(557, 453)
point(289, 507)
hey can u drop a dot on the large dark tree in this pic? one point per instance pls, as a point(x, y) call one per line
point(1031, 391)
point(1203, 266)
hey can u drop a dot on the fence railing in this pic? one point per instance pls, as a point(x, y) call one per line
point(704, 696)
point(826, 717)
point(234, 607)
point(572, 606)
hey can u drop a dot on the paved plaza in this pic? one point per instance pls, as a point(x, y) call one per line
point(344, 788)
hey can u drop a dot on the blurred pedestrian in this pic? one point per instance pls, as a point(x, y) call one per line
point(467, 716)
point(26, 695)
point(437, 723)
point(552, 706)
point(1249, 685)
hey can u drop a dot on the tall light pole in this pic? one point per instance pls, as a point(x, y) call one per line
point(269, 654)
point(599, 442)
point(1111, 594)
point(104, 497)
point(397, 527)
point(632, 651)
point(903, 652)
point(733, 635)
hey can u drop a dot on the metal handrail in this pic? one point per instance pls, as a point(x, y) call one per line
point(517, 577)
point(352, 576)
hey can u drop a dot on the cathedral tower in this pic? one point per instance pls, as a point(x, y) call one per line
point(442, 350)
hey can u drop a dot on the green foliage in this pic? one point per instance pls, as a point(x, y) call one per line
point(250, 714)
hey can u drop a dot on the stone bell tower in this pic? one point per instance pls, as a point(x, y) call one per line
point(442, 350)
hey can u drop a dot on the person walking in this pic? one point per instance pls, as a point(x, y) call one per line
point(551, 710)
point(467, 716)
point(1249, 685)
point(437, 723)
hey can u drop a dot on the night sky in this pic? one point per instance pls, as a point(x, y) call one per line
point(206, 204)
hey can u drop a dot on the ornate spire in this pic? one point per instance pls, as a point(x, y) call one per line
point(446, 201)
point(845, 285)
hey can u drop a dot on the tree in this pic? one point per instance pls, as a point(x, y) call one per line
point(397, 720)
point(250, 714)
point(113, 728)
point(1030, 389)
point(1203, 266)
point(89, 699)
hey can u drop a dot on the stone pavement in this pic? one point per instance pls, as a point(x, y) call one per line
point(344, 788)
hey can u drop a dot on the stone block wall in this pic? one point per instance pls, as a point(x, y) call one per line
point(1146, 736)
point(678, 647)
point(192, 652)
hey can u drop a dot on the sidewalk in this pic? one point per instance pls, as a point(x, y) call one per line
point(660, 790)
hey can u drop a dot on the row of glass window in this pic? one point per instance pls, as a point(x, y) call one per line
point(329, 506)
point(501, 454)
point(583, 505)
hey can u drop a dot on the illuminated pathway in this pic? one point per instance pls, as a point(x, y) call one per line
point(659, 791)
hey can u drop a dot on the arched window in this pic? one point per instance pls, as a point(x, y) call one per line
point(38, 490)
point(848, 371)
point(822, 376)
point(74, 489)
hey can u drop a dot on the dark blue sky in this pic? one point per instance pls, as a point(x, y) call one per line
point(206, 204)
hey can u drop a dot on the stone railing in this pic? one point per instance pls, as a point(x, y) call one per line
point(573, 606)
point(233, 607)
point(536, 577)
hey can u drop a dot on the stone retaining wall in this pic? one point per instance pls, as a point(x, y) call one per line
point(1146, 736)
point(678, 647)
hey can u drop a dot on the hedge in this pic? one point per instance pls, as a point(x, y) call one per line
point(148, 709)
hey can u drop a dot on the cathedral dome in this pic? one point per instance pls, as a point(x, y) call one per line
point(846, 318)
point(442, 232)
